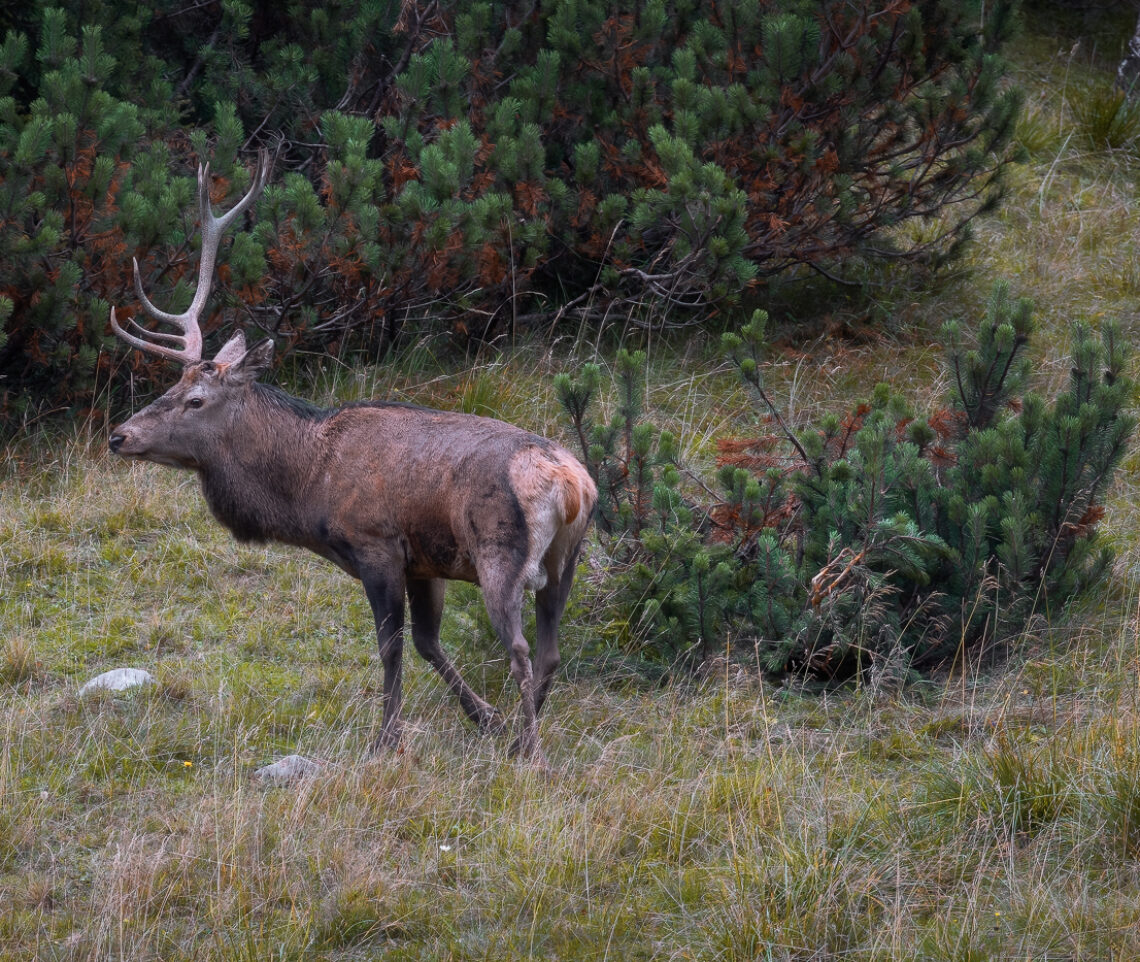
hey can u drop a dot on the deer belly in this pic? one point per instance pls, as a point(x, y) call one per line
point(435, 553)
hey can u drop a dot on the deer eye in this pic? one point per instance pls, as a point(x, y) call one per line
point(194, 403)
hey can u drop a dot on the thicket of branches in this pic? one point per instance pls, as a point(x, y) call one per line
point(880, 539)
point(468, 167)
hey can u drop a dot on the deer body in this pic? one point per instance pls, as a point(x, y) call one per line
point(399, 496)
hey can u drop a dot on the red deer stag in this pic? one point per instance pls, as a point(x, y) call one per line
point(399, 496)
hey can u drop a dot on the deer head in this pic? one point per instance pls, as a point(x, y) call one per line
point(176, 427)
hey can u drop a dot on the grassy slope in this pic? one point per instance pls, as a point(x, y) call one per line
point(995, 816)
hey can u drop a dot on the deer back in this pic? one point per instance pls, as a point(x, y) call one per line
point(454, 492)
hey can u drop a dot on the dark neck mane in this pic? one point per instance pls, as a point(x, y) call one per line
point(274, 397)
point(255, 482)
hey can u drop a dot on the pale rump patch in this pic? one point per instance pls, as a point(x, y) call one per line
point(557, 496)
point(569, 478)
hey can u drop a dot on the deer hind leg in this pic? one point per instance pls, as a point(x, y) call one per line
point(387, 601)
point(503, 599)
point(549, 604)
point(425, 599)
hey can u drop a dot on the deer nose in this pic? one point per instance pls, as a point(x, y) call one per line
point(115, 441)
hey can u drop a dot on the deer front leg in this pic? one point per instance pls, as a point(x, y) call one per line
point(425, 601)
point(387, 601)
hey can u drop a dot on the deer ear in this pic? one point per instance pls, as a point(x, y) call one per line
point(251, 365)
point(233, 349)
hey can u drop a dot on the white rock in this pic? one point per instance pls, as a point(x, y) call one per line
point(118, 679)
point(289, 768)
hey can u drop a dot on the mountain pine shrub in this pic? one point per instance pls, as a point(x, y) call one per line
point(470, 168)
point(682, 581)
point(95, 167)
point(64, 159)
point(584, 155)
point(877, 539)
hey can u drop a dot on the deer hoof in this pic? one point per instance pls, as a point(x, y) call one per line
point(527, 748)
point(387, 741)
point(491, 722)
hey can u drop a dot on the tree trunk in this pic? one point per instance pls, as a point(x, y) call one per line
point(1128, 73)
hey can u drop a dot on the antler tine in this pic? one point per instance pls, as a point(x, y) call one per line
point(149, 347)
point(260, 176)
point(213, 229)
point(188, 345)
point(159, 315)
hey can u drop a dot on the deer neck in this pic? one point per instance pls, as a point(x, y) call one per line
point(257, 480)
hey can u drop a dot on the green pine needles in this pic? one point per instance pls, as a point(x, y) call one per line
point(878, 539)
point(473, 168)
point(666, 157)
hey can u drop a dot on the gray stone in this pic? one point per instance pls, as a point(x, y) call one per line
point(288, 769)
point(118, 679)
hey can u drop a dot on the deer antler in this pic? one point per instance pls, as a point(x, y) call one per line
point(187, 346)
